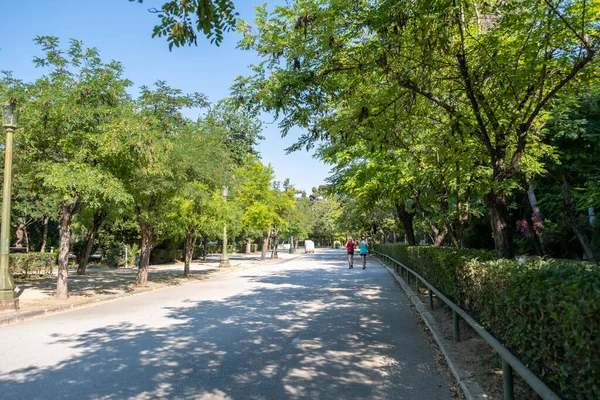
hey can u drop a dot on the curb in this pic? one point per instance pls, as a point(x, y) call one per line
point(470, 388)
point(12, 319)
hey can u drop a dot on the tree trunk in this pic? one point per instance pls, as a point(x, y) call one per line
point(66, 216)
point(145, 249)
point(19, 235)
point(438, 237)
point(26, 238)
point(205, 244)
point(249, 245)
point(406, 218)
point(500, 221)
point(45, 234)
point(99, 217)
point(533, 200)
point(274, 249)
point(190, 243)
point(263, 254)
point(569, 211)
point(531, 227)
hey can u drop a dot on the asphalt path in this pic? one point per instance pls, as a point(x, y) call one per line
point(309, 328)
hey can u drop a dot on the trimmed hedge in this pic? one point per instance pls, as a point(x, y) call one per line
point(548, 313)
point(165, 256)
point(218, 248)
point(439, 265)
point(22, 265)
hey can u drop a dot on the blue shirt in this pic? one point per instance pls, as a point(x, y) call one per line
point(363, 247)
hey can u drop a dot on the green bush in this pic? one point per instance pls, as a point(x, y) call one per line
point(218, 248)
point(118, 257)
point(165, 256)
point(240, 248)
point(545, 312)
point(438, 265)
point(23, 265)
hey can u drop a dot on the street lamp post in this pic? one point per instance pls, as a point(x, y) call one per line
point(8, 301)
point(224, 259)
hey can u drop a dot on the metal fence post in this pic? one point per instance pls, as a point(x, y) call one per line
point(509, 391)
point(456, 326)
point(430, 299)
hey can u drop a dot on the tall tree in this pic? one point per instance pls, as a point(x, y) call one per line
point(200, 166)
point(488, 69)
point(257, 200)
point(68, 114)
point(146, 172)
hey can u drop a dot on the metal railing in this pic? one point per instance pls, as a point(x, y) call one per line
point(510, 363)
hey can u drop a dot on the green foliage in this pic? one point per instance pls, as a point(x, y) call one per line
point(545, 312)
point(438, 265)
point(165, 256)
point(27, 264)
point(240, 129)
point(460, 90)
point(181, 21)
point(67, 124)
point(258, 199)
point(119, 256)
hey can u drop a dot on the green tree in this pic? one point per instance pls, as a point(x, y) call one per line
point(66, 126)
point(574, 133)
point(257, 200)
point(488, 71)
point(200, 164)
point(145, 164)
point(241, 129)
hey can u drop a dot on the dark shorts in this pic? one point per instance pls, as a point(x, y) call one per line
point(350, 252)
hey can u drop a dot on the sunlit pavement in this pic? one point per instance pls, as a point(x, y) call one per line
point(309, 328)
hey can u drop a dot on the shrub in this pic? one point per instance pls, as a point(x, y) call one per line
point(438, 265)
point(218, 249)
point(545, 312)
point(118, 257)
point(165, 256)
point(23, 265)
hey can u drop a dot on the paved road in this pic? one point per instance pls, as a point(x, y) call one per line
point(309, 328)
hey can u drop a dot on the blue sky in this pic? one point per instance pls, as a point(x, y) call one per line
point(122, 30)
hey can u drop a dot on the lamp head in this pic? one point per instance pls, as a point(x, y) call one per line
point(10, 116)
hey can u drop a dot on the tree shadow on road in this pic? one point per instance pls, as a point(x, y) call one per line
point(307, 334)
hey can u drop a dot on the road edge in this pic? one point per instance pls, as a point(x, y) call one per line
point(470, 388)
point(17, 318)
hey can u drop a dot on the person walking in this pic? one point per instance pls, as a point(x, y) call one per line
point(363, 251)
point(350, 249)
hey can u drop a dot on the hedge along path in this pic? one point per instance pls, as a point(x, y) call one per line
point(509, 361)
point(546, 312)
point(25, 264)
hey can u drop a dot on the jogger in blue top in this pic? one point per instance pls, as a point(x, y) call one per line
point(363, 252)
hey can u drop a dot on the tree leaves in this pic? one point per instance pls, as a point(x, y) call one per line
point(181, 21)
